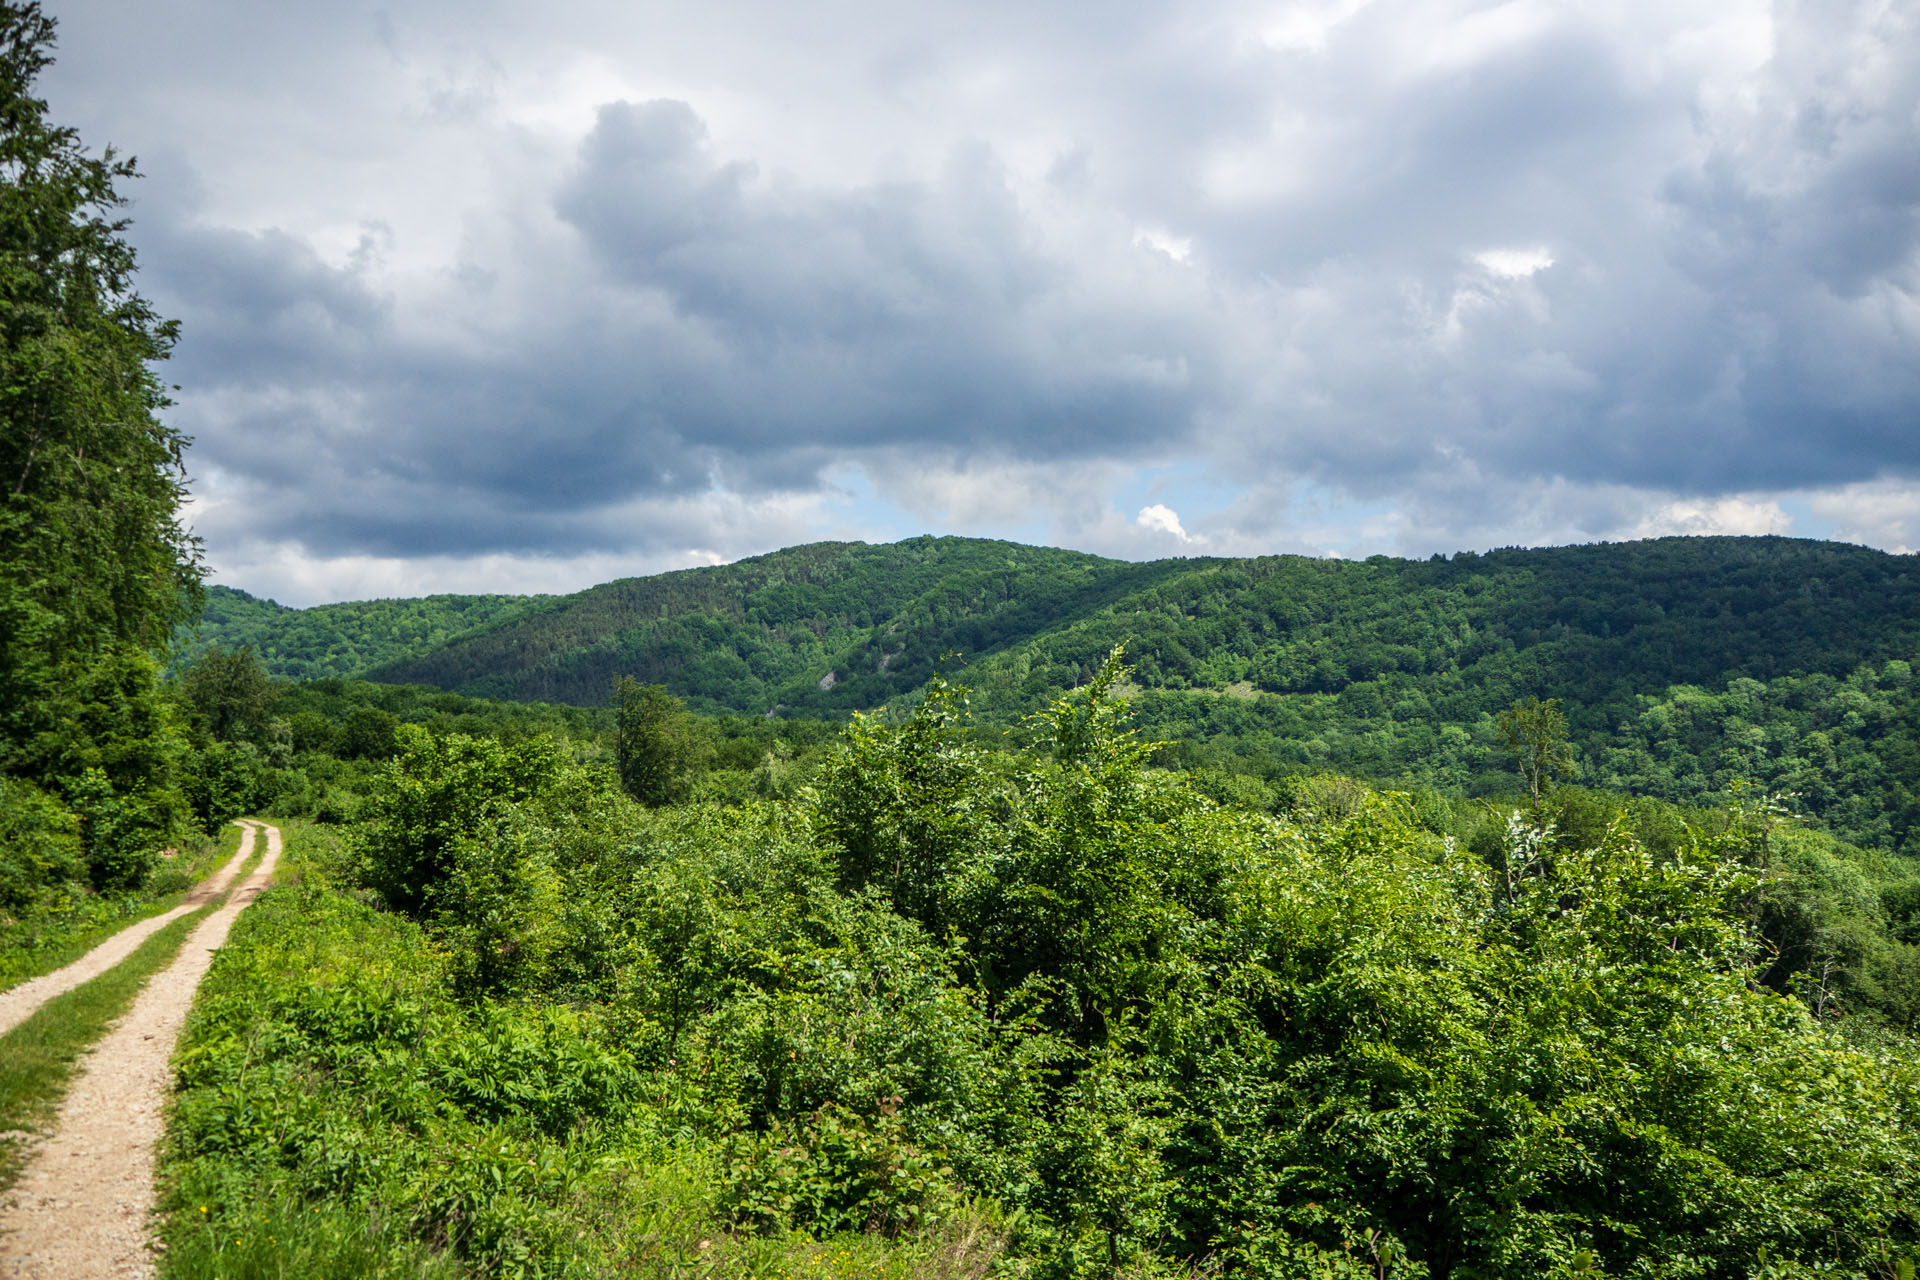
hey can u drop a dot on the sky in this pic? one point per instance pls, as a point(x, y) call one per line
point(488, 296)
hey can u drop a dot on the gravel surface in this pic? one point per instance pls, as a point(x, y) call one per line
point(19, 1003)
point(80, 1210)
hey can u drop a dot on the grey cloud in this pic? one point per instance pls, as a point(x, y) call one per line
point(859, 318)
point(642, 312)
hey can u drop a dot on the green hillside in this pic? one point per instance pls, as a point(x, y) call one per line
point(1684, 663)
point(820, 629)
point(338, 639)
point(1597, 625)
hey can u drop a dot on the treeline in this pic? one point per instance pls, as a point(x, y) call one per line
point(834, 627)
point(949, 1010)
point(818, 630)
point(312, 748)
point(1847, 748)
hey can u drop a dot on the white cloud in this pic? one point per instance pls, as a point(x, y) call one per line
point(1730, 515)
point(1515, 264)
point(1179, 248)
point(1879, 513)
point(1161, 518)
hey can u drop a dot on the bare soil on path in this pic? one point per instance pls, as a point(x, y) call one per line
point(19, 1003)
point(80, 1210)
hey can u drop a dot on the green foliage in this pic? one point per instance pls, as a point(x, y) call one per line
point(339, 1110)
point(501, 908)
point(369, 733)
point(834, 1171)
point(92, 555)
point(95, 565)
point(905, 806)
point(333, 640)
point(318, 712)
point(39, 843)
point(228, 694)
point(1147, 1030)
point(440, 791)
point(1388, 669)
point(1100, 1160)
point(1536, 737)
point(225, 780)
point(1846, 746)
point(117, 832)
point(658, 747)
point(819, 629)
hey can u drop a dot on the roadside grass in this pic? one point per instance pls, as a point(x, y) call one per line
point(279, 1238)
point(47, 939)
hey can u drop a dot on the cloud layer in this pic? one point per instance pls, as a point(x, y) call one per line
point(478, 298)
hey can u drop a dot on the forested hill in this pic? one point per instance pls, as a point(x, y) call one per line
point(824, 628)
point(1684, 663)
point(337, 639)
point(830, 627)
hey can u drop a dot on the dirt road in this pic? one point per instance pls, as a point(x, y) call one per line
point(80, 1210)
point(19, 1003)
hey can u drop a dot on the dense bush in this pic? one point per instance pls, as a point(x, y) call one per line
point(1071, 994)
point(39, 843)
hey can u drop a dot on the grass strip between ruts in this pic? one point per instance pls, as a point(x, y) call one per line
point(70, 943)
point(38, 1057)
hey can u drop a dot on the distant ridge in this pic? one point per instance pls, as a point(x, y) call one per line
point(1591, 622)
point(766, 632)
point(1684, 663)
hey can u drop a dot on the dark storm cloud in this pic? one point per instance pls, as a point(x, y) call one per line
point(442, 299)
point(704, 338)
point(882, 315)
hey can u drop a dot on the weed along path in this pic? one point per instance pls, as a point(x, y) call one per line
point(80, 1209)
point(18, 1004)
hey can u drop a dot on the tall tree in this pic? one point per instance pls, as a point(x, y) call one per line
point(93, 555)
point(96, 567)
point(1536, 734)
point(229, 693)
point(660, 747)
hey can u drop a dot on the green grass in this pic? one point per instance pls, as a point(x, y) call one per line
point(279, 1238)
point(310, 1138)
point(42, 943)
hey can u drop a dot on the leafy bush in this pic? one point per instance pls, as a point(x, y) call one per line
point(438, 792)
point(225, 780)
point(1146, 1026)
point(39, 843)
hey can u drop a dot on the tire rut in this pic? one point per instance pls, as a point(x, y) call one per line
point(81, 1208)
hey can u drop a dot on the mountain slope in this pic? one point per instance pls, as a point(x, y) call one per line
point(824, 628)
point(1592, 624)
point(829, 627)
point(1684, 663)
point(339, 639)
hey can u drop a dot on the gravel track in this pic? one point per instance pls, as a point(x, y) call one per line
point(19, 1003)
point(80, 1210)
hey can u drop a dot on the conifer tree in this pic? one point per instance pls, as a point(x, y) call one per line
point(96, 567)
